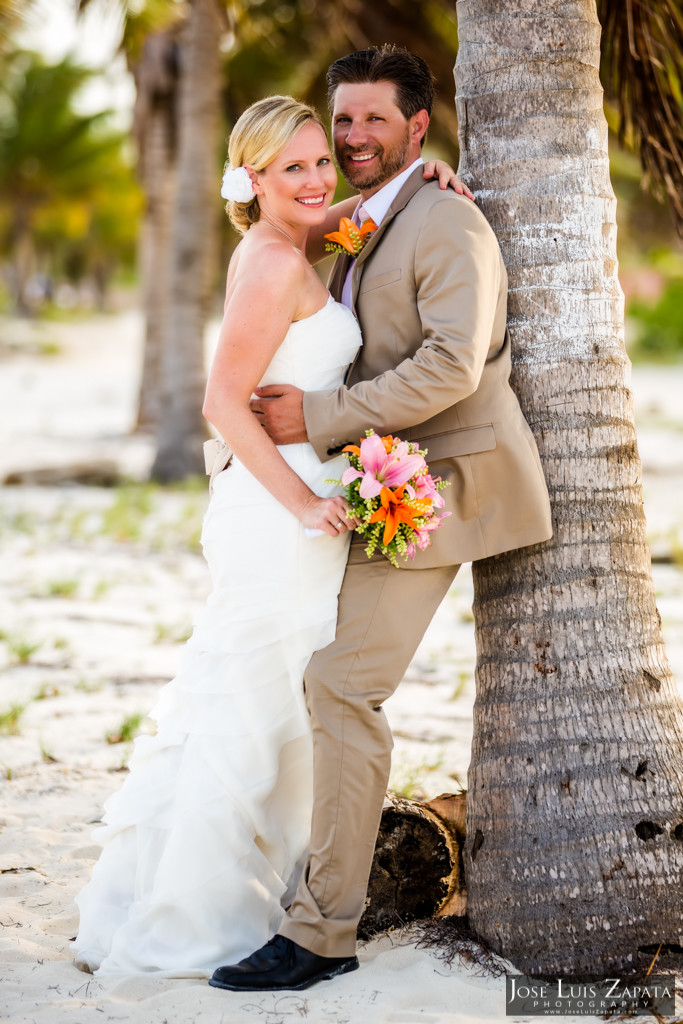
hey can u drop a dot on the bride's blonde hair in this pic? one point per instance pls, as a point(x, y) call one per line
point(259, 136)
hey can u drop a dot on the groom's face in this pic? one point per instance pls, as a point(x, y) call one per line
point(373, 141)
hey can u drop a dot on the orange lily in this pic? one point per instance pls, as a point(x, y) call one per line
point(350, 237)
point(394, 511)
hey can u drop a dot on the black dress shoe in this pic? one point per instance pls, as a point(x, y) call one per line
point(280, 964)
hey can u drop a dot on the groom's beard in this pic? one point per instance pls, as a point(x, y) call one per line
point(388, 164)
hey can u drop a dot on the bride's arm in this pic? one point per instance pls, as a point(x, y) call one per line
point(315, 246)
point(250, 334)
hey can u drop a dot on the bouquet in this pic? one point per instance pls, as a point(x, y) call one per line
point(390, 489)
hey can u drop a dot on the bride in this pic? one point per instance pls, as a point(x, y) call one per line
point(204, 843)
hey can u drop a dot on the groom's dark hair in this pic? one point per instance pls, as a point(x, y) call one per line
point(409, 73)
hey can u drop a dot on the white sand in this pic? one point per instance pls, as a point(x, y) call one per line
point(98, 623)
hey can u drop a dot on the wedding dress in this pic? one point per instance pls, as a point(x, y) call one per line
point(204, 843)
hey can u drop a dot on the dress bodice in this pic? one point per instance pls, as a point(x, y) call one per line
point(315, 351)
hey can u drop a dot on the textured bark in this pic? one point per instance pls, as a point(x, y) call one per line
point(181, 426)
point(574, 851)
point(417, 867)
point(156, 82)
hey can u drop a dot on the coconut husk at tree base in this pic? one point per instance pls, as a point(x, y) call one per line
point(417, 867)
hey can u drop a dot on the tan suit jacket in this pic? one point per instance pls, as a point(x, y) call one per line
point(430, 294)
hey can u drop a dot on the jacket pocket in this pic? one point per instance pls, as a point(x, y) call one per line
point(369, 284)
point(463, 441)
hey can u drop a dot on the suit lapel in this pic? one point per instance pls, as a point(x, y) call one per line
point(338, 276)
point(406, 193)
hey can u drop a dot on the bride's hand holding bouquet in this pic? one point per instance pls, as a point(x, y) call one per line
point(326, 515)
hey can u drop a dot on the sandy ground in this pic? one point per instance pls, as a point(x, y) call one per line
point(97, 592)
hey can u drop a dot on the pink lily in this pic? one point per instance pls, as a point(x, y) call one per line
point(423, 540)
point(425, 490)
point(382, 469)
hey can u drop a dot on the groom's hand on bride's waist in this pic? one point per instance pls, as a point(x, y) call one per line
point(280, 411)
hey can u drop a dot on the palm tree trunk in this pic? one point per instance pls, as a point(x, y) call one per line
point(156, 129)
point(24, 258)
point(155, 248)
point(574, 852)
point(181, 426)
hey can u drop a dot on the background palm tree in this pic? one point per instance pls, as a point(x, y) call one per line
point(181, 426)
point(574, 851)
point(151, 43)
point(157, 81)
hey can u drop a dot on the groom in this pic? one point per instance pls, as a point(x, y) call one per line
point(429, 290)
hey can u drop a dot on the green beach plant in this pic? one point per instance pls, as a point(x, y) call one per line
point(127, 731)
point(9, 720)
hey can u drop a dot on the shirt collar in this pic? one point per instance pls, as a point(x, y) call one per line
point(378, 204)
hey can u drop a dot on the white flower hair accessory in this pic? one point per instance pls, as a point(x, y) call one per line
point(236, 186)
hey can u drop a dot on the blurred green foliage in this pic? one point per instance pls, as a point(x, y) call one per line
point(650, 263)
point(659, 325)
point(646, 230)
point(69, 203)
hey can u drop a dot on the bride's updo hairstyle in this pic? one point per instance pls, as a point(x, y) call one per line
point(259, 136)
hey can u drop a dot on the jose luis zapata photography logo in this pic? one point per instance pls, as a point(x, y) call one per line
point(560, 997)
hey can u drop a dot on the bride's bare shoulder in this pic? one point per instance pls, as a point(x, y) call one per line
point(267, 256)
point(267, 264)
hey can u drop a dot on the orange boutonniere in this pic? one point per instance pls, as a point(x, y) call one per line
point(350, 238)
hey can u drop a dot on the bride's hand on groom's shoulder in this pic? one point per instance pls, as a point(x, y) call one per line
point(447, 177)
point(279, 409)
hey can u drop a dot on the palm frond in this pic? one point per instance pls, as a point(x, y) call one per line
point(642, 73)
point(14, 14)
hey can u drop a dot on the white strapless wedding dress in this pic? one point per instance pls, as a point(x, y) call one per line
point(204, 843)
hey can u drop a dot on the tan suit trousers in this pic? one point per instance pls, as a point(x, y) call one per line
point(383, 615)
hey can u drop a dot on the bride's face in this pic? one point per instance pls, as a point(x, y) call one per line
point(298, 186)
